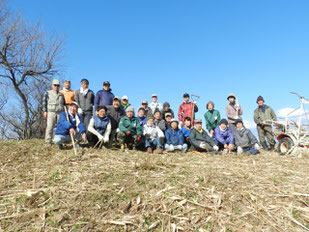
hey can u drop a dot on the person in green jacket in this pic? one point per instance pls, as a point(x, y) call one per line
point(130, 130)
point(212, 118)
point(200, 140)
point(262, 117)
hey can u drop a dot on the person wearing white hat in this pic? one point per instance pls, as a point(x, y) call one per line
point(155, 105)
point(125, 103)
point(53, 104)
point(174, 138)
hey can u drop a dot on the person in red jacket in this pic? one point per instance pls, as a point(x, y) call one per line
point(186, 109)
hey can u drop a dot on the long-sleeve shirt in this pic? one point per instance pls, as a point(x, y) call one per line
point(91, 128)
point(233, 112)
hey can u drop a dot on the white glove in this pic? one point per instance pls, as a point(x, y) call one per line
point(179, 147)
point(79, 111)
point(203, 145)
point(117, 130)
point(237, 106)
point(239, 150)
point(256, 147)
point(100, 137)
point(216, 118)
point(180, 124)
point(106, 139)
point(216, 148)
point(171, 147)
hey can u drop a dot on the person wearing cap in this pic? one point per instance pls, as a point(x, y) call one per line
point(67, 92)
point(263, 116)
point(130, 131)
point(154, 137)
point(223, 136)
point(105, 96)
point(174, 138)
point(187, 109)
point(85, 100)
point(158, 121)
point(212, 118)
point(168, 118)
point(155, 105)
point(99, 128)
point(141, 116)
point(200, 140)
point(53, 105)
point(115, 113)
point(233, 111)
point(245, 141)
point(125, 103)
point(72, 126)
point(167, 109)
point(145, 106)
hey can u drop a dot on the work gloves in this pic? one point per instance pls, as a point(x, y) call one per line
point(239, 150)
point(80, 111)
point(256, 147)
point(171, 147)
point(203, 145)
point(216, 148)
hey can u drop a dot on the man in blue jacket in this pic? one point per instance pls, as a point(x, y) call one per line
point(223, 136)
point(105, 96)
point(74, 126)
point(174, 138)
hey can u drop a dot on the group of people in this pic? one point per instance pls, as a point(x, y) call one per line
point(105, 120)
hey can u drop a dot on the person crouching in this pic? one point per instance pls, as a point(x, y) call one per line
point(245, 141)
point(154, 137)
point(72, 126)
point(224, 137)
point(130, 130)
point(99, 128)
point(174, 138)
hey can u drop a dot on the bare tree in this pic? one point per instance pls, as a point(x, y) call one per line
point(29, 59)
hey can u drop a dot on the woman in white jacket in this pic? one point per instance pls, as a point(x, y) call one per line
point(154, 137)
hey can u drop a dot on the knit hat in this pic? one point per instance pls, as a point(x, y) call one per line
point(238, 121)
point(260, 98)
point(210, 102)
point(130, 109)
point(223, 121)
point(231, 95)
point(186, 95)
point(166, 104)
point(150, 117)
point(198, 120)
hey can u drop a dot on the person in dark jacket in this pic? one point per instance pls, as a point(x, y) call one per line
point(158, 121)
point(99, 128)
point(130, 131)
point(145, 106)
point(168, 119)
point(174, 138)
point(245, 141)
point(105, 96)
point(223, 136)
point(115, 113)
point(74, 126)
point(167, 109)
point(141, 116)
point(200, 140)
point(85, 100)
point(212, 118)
point(263, 116)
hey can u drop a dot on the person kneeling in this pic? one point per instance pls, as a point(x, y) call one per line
point(245, 140)
point(99, 128)
point(72, 126)
point(130, 130)
point(200, 140)
point(223, 136)
point(154, 137)
point(174, 138)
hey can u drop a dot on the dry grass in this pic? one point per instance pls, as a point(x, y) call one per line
point(42, 189)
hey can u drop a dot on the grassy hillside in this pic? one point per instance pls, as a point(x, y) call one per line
point(44, 189)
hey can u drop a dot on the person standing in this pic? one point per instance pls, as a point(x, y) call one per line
point(262, 114)
point(167, 110)
point(67, 92)
point(105, 96)
point(212, 118)
point(53, 104)
point(155, 105)
point(187, 109)
point(233, 111)
point(85, 100)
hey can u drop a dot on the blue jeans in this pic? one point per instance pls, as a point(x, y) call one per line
point(154, 144)
point(252, 150)
point(60, 139)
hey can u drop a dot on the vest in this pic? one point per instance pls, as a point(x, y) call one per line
point(100, 124)
point(54, 102)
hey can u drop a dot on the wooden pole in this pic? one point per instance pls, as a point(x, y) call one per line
point(72, 139)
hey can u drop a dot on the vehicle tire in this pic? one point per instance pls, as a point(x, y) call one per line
point(285, 144)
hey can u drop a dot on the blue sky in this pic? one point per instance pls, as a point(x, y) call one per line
point(208, 48)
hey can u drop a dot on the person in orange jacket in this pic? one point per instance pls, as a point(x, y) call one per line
point(67, 92)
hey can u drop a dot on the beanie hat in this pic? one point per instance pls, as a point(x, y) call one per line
point(260, 98)
point(130, 109)
point(238, 121)
point(223, 121)
point(150, 117)
point(166, 104)
point(186, 95)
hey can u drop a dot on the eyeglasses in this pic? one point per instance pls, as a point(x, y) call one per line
point(57, 85)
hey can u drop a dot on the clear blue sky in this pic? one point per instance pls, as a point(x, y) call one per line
point(208, 48)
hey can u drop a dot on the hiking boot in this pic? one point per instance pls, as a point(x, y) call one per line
point(264, 145)
point(122, 148)
point(271, 147)
point(134, 148)
point(149, 150)
point(60, 146)
point(160, 150)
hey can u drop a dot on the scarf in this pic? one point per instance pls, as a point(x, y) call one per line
point(222, 129)
point(75, 118)
point(84, 91)
point(67, 90)
point(200, 131)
